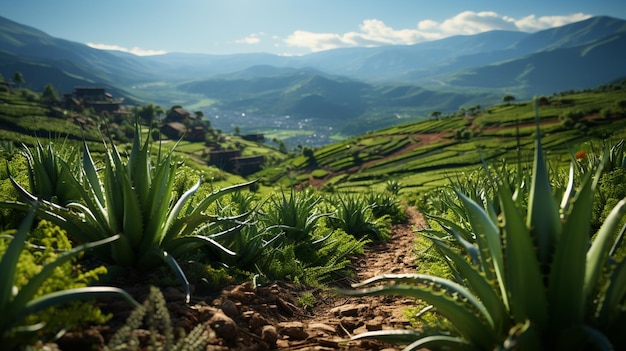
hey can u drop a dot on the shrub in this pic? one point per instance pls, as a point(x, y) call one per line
point(354, 216)
point(25, 289)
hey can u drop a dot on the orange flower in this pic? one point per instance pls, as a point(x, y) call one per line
point(580, 155)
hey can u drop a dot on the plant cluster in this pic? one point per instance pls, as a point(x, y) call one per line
point(528, 272)
point(135, 211)
point(26, 289)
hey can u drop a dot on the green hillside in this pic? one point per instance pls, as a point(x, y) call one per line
point(26, 119)
point(420, 155)
point(425, 154)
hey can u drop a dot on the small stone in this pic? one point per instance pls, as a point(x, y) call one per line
point(360, 330)
point(282, 344)
point(224, 326)
point(229, 308)
point(349, 310)
point(374, 324)
point(269, 334)
point(294, 330)
point(334, 344)
point(257, 321)
point(323, 328)
point(173, 294)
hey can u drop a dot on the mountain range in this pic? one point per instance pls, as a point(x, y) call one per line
point(354, 89)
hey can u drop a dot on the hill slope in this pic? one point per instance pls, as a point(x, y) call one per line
point(424, 154)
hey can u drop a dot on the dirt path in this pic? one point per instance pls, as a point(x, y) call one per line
point(335, 318)
point(272, 317)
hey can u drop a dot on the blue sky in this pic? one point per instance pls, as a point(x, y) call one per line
point(287, 27)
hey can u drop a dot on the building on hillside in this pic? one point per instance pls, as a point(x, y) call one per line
point(259, 138)
point(96, 98)
point(246, 165)
point(174, 130)
point(222, 158)
point(180, 123)
point(232, 161)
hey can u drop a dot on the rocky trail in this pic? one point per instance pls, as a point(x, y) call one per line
point(243, 317)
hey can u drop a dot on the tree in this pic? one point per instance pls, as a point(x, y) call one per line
point(310, 155)
point(435, 114)
point(49, 95)
point(148, 112)
point(508, 98)
point(18, 78)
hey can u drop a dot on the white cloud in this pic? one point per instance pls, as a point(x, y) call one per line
point(470, 22)
point(532, 23)
point(251, 39)
point(134, 50)
point(374, 32)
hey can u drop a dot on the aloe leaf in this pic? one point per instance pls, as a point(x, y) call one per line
point(132, 220)
point(114, 198)
point(489, 235)
point(524, 282)
point(543, 214)
point(452, 300)
point(218, 194)
point(195, 224)
point(140, 167)
point(398, 336)
point(442, 342)
point(91, 174)
point(460, 234)
point(8, 264)
point(597, 338)
point(173, 214)
point(71, 224)
point(468, 322)
point(69, 295)
point(481, 287)
point(122, 252)
point(614, 295)
point(183, 244)
point(53, 212)
point(565, 289)
point(569, 190)
point(159, 199)
point(29, 290)
point(597, 254)
point(171, 261)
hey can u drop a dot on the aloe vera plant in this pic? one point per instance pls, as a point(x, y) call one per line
point(295, 216)
point(51, 170)
point(16, 304)
point(134, 199)
point(354, 214)
point(529, 278)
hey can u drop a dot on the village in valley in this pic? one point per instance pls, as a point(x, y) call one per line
point(93, 107)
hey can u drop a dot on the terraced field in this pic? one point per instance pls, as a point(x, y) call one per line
point(423, 155)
